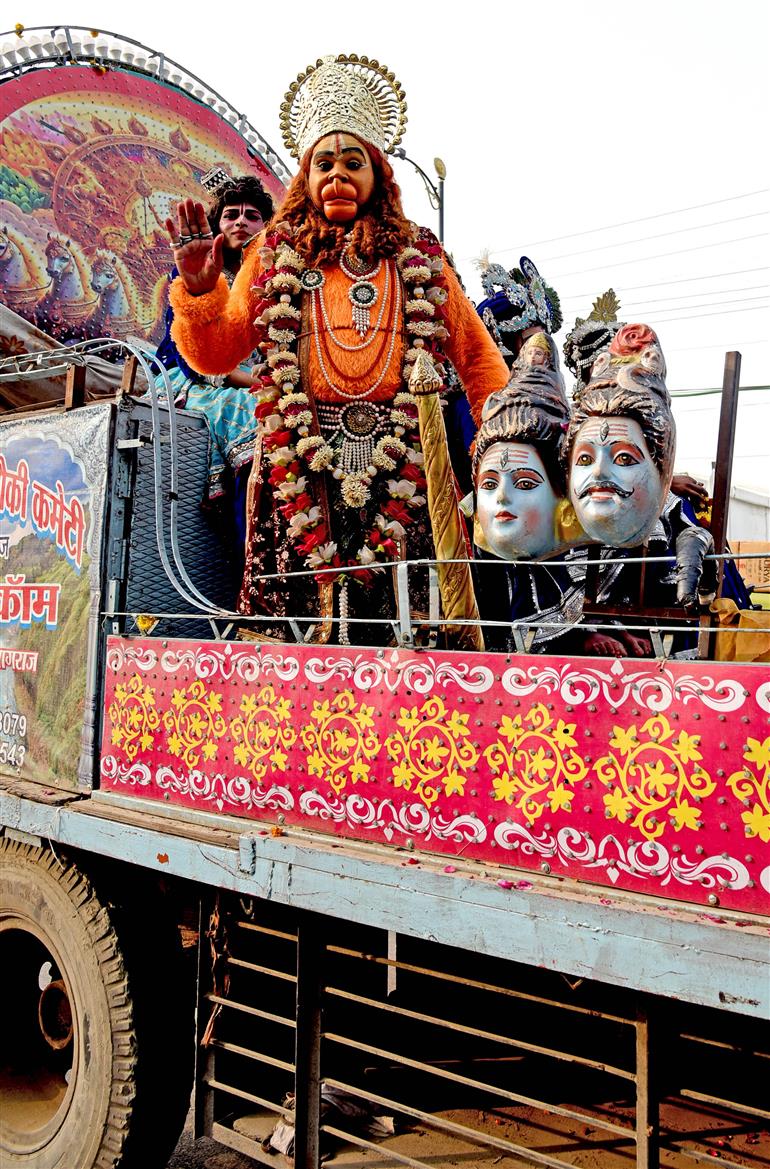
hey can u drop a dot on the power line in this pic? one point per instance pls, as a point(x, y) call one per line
point(662, 255)
point(687, 295)
point(676, 308)
point(718, 390)
point(626, 223)
point(660, 235)
point(717, 345)
point(679, 280)
point(697, 316)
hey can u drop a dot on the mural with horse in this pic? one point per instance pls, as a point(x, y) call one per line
point(90, 167)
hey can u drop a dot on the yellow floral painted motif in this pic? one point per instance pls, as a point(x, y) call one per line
point(133, 716)
point(753, 787)
point(652, 774)
point(340, 741)
point(534, 763)
point(263, 734)
point(194, 721)
point(431, 751)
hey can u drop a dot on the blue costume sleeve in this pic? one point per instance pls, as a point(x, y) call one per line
point(167, 352)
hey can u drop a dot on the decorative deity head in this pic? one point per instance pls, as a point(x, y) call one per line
point(588, 338)
point(340, 119)
point(517, 465)
point(621, 441)
point(518, 305)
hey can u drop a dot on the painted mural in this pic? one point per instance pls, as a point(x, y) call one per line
point(91, 161)
point(627, 774)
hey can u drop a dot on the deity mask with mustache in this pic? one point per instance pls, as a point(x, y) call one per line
point(621, 441)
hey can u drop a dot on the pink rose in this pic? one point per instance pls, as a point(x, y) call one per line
point(632, 339)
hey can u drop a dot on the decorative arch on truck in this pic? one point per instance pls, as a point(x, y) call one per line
point(99, 138)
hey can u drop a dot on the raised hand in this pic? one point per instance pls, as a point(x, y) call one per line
point(197, 255)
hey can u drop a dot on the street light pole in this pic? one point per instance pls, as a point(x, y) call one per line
point(435, 193)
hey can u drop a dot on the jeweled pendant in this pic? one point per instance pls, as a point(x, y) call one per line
point(363, 297)
point(311, 279)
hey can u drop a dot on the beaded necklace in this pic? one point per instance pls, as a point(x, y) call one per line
point(285, 416)
point(315, 297)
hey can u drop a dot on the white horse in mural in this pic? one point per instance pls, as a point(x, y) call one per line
point(22, 277)
point(67, 300)
point(121, 309)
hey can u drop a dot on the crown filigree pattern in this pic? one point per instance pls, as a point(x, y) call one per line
point(346, 93)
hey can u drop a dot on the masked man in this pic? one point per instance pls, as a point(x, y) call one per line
point(339, 296)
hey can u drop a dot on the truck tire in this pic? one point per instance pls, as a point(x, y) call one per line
point(96, 1060)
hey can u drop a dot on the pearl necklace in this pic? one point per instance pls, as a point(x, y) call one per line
point(393, 334)
point(318, 292)
point(362, 294)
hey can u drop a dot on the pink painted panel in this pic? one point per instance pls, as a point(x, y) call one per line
point(633, 775)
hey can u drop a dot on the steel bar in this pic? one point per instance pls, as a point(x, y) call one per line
point(648, 1038)
point(460, 1130)
point(249, 1053)
point(709, 1158)
point(476, 985)
point(259, 1014)
point(362, 1143)
point(255, 969)
point(242, 1094)
point(730, 1105)
point(724, 459)
point(507, 1040)
point(230, 1138)
point(479, 1085)
point(205, 1059)
point(261, 929)
point(738, 1048)
point(307, 1059)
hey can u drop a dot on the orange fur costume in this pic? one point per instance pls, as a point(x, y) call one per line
point(214, 333)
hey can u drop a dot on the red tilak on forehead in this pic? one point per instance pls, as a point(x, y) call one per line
point(509, 457)
point(337, 143)
point(613, 428)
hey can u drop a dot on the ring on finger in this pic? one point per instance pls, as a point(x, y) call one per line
point(176, 243)
point(185, 239)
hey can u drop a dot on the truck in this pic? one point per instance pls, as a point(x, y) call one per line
point(398, 904)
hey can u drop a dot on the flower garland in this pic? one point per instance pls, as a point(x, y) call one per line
point(286, 420)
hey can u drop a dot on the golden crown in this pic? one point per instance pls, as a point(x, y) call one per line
point(346, 93)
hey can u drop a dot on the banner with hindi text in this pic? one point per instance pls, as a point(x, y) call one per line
point(53, 478)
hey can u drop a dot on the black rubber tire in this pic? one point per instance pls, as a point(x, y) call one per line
point(130, 1057)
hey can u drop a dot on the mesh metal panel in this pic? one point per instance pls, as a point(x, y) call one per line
point(206, 536)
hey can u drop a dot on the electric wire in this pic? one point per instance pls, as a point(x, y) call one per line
point(626, 223)
point(659, 235)
point(725, 304)
point(678, 280)
point(662, 255)
point(685, 295)
point(718, 345)
point(699, 316)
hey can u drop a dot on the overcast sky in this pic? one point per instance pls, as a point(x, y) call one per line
point(614, 143)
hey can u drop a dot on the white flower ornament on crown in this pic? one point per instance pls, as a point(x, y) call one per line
point(347, 93)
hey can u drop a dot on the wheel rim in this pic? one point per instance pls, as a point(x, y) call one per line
point(39, 1062)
